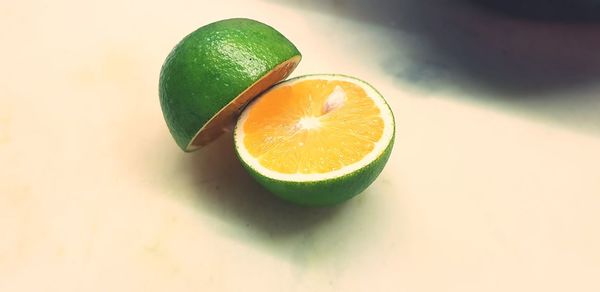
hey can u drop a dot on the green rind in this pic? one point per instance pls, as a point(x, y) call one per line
point(330, 191)
point(211, 66)
point(324, 192)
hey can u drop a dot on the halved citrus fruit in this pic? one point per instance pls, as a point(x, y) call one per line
point(317, 139)
point(214, 71)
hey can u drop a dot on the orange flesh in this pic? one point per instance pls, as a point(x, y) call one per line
point(312, 126)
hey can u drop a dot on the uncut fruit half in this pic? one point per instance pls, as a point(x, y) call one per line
point(214, 71)
point(317, 139)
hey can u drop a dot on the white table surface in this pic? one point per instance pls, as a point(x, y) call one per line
point(493, 185)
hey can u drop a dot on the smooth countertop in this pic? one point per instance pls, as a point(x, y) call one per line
point(493, 184)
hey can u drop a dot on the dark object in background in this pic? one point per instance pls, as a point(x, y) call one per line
point(550, 10)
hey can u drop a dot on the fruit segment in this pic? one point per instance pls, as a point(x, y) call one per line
point(312, 126)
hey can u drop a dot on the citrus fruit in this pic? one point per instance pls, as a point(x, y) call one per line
point(214, 71)
point(317, 139)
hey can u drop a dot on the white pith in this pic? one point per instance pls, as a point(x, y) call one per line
point(379, 148)
point(307, 123)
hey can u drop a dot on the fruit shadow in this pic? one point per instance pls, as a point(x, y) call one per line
point(226, 190)
point(536, 58)
point(303, 236)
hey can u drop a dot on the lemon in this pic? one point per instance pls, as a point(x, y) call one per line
point(316, 140)
point(214, 71)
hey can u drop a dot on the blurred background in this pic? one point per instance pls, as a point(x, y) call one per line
point(509, 53)
point(493, 184)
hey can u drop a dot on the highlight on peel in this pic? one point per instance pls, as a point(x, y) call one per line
point(316, 128)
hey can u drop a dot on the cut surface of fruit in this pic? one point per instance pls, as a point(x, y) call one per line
point(315, 129)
